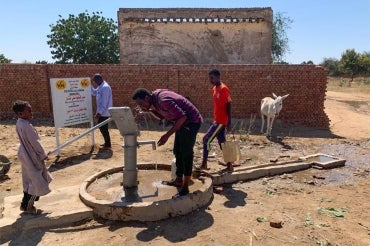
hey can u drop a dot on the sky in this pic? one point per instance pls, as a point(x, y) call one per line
point(320, 29)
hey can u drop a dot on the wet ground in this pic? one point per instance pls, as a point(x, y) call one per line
point(150, 187)
point(263, 151)
point(357, 157)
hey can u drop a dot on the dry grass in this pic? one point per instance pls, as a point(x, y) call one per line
point(358, 85)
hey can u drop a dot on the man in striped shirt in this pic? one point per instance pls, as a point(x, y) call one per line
point(186, 118)
point(104, 101)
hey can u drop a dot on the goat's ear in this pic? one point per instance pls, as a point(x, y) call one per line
point(273, 94)
point(283, 97)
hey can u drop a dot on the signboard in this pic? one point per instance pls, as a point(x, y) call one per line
point(71, 101)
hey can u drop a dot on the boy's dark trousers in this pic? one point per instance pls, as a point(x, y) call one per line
point(28, 201)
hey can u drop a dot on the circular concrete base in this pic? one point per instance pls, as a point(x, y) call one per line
point(105, 194)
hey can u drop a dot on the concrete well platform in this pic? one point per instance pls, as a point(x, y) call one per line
point(60, 207)
point(105, 195)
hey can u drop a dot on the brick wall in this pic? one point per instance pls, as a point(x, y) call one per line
point(306, 85)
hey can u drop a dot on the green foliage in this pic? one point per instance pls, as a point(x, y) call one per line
point(269, 192)
point(332, 212)
point(261, 219)
point(308, 220)
point(307, 63)
point(3, 59)
point(325, 200)
point(281, 62)
point(332, 65)
point(349, 63)
point(85, 38)
point(342, 82)
point(323, 242)
point(364, 63)
point(280, 41)
point(41, 62)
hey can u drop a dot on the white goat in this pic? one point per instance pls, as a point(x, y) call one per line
point(271, 108)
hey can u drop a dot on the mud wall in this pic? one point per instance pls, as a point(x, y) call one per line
point(195, 36)
point(306, 85)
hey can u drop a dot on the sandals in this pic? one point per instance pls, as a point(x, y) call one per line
point(183, 192)
point(174, 182)
point(32, 210)
point(226, 164)
point(200, 168)
point(229, 169)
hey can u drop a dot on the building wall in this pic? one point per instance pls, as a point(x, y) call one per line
point(306, 85)
point(195, 36)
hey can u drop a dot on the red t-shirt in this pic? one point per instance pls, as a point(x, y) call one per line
point(221, 96)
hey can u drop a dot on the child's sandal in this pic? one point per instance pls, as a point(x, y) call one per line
point(33, 211)
point(183, 192)
point(174, 182)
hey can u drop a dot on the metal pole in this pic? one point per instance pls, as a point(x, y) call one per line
point(81, 135)
point(57, 138)
point(92, 133)
point(130, 155)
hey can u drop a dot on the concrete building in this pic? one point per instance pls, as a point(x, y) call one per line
point(195, 35)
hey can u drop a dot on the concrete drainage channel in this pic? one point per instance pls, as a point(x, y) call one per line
point(319, 160)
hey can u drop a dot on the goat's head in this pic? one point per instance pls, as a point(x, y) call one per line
point(278, 102)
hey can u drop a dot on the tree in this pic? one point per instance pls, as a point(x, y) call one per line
point(3, 59)
point(332, 65)
point(349, 63)
point(309, 62)
point(41, 62)
point(84, 38)
point(280, 41)
point(364, 63)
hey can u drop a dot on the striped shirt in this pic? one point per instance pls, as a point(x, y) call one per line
point(104, 100)
point(173, 106)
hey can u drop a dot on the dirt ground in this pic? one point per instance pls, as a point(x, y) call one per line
point(316, 207)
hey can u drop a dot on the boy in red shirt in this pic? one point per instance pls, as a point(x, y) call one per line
point(221, 116)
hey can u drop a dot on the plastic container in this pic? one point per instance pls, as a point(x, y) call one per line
point(231, 151)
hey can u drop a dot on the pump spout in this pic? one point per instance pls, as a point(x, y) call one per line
point(152, 142)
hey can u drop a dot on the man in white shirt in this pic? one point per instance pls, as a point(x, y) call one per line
point(103, 93)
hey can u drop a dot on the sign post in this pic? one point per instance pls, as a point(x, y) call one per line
point(72, 105)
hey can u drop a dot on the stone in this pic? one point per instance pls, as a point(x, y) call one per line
point(276, 224)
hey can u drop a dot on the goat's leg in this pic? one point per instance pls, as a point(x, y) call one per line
point(263, 122)
point(270, 126)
